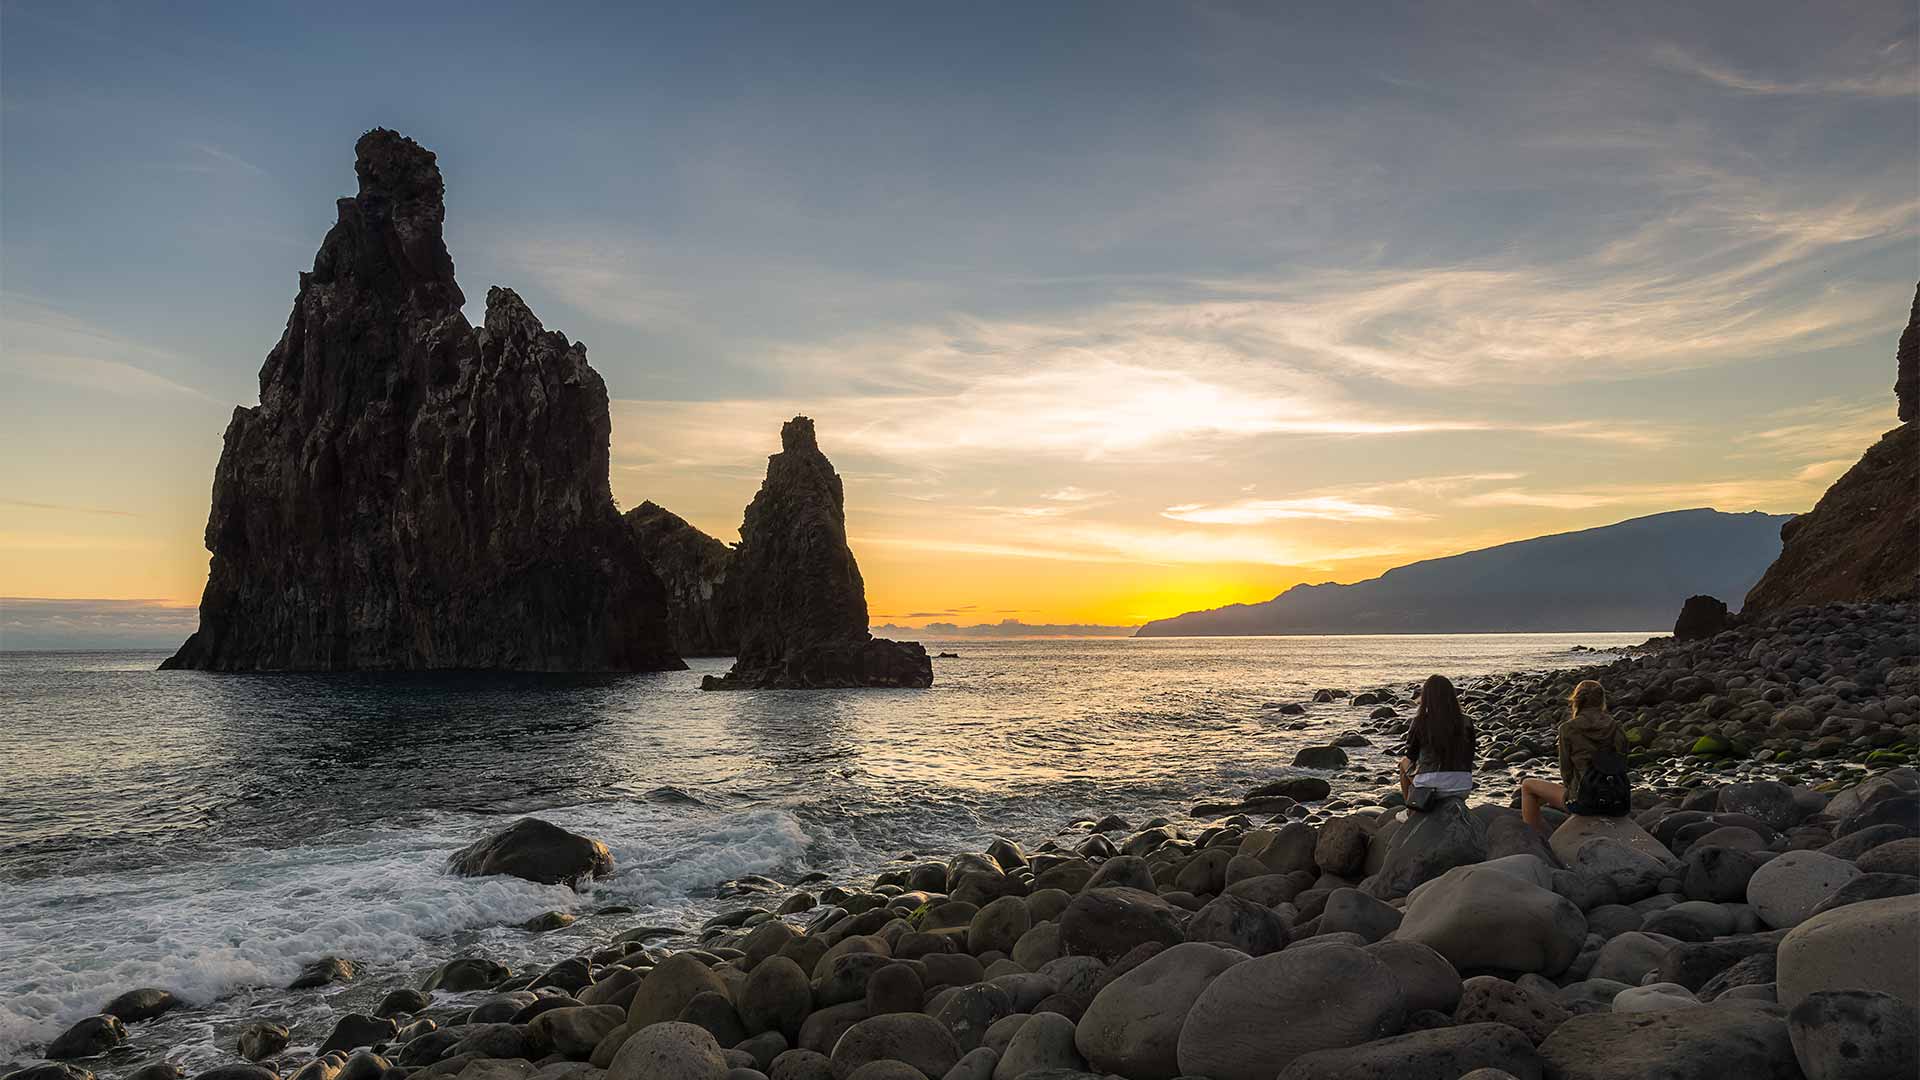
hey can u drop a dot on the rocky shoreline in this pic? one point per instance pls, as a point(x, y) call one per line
point(1759, 915)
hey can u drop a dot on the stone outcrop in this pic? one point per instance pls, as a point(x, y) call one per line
point(798, 597)
point(1700, 617)
point(692, 566)
point(1862, 540)
point(536, 851)
point(1906, 379)
point(412, 492)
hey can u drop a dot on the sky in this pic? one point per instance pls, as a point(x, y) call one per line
point(1105, 311)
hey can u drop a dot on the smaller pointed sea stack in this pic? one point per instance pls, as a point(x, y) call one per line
point(693, 567)
point(800, 603)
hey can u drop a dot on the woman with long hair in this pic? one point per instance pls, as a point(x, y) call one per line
point(1439, 753)
point(1589, 730)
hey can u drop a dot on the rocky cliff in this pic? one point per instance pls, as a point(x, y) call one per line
point(412, 492)
point(1862, 540)
point(800, 603)
point(693, 568)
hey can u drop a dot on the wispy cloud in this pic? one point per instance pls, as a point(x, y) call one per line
point(23, 504)
point(43, 343)
point(1259, 511)
point(1890, 74)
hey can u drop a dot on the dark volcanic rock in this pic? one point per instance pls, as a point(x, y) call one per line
point(801, 605)
point(693, 568)
point(1862, 540)
point(1700, 617)
point(412, 492)
point(534, 850)
point(1906, 380)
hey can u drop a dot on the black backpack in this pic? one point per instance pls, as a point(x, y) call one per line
point(1604, 790)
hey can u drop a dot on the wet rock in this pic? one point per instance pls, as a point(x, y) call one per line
point(465, 973)
point(470, 464)
point(801, 605)
point(262, 1040)
point(143, 1004)
point(355, 1030)
point(94, 1035)
point(330, 969)
point(403, 1001)
point(536, 851)
point(1320, 757)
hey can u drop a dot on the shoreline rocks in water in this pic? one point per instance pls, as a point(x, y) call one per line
point(1757, 913)
point(536, 851)
point(800, 604)
point(413, 492)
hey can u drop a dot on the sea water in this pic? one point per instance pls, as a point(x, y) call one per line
point(211, 833)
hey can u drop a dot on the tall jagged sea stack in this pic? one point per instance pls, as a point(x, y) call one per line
point(799, 604)
point(412, 492)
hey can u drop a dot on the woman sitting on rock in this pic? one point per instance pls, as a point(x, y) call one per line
point(1592, 749)
point(1439, 753)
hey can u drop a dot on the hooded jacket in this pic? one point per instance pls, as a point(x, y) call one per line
point(1588, 730)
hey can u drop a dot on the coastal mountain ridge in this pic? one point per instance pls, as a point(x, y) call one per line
point(1628, 576)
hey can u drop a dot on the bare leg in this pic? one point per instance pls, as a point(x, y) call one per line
point(1406, 778)
point(1537, 793)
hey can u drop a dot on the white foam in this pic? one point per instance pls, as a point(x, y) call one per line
point(69, 944)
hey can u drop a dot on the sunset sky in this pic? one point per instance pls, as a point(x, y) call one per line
point(1105, 311)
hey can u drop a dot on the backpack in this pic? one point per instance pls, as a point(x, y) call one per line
point(1604, 790)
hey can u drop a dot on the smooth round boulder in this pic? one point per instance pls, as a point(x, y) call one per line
point(804, 1064)
point(1107, 923)
point(1133, 1025)
point(1769, 801)
point(1043, 1042)
point(1239, 924)
point(1478, 917)
point(1351, 911)
point(1855, 1035)
point(1427, 980)
point(465, 973)
point(1654, 997)
point(1718, 874)
point(1708, 1043)
point(573, 1032)
point(775, 997)
point(1447, 1053)
point(669, 1050)
point(668, 987)
point(402, 1001)
point(1430, 844)
point(535, 850)
point(1257, 1016)
point(1341, 847)
point(915, 1038)
point(886, 1070)
point(998, 926)
point(1320, 757)
point(262, 1040)
point(1866, 946)
point(1786, 888)
point(356, 1030)
point(971, 1010)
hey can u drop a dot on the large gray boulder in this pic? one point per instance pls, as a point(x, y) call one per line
point(915, 1038)
point(1427, 981)
point(537, 851)
point(1109, 923)
point(1866, 946)
point(668, 988)
point(1788, 887)
point(1239, 924)
point(1260, 1014)
point(1439, 1054)
point(1481, 918)
point(669, 1051)
point(1044, 1042)
point(1429, 844)
point(1712, 1042)
point(1855, 1035)
point(1133, 1026)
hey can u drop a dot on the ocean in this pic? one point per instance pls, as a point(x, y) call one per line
point(210, 834)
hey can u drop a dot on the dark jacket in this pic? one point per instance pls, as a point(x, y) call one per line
point(1588, 730)
point(1426, 758)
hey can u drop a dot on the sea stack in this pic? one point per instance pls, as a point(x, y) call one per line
point(1862, 540)
point(414, 493)
point(798, 598)
point(693, 568)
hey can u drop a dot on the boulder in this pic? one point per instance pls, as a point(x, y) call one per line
point(1855, 1035)
point(1239, 924)
point(915, 1038)
point(668, 988)
point(98, 1034)
point(1709, 1043)
point(1491, 1000)
point(1769, 801)
point(998, 926)
point(1341, 848)
point(471, 465)
point(1654, 997)
point(1256, 1017)
point(1133, 1025)
point(1107, 923)
point(1427, 981)
point(465, 973)
point(537, 851)
point(143, 1004)
point(1580, 828)
point(1718, 874)
point(800, 1065)
point(1865, 946)
point(1894, 857)
point(1428, 845)
point(799, 601)
point(573, 1032)
point(1044, 1042)
point(692, 568)
point(1123, 872)
point(971, 1010)
point(356, 1030)
point(1786, 889)
point(775, 997)
point(1630, 957)
point(1352, 911)
point(1701, 617)
point(258, 1041)
point(668, 1051)
point(1320, 757)
point(1482, 918)
point(1448, 1053)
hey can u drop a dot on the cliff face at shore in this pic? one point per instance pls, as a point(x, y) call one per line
point(693, 568)
point(799, 600)
point(1862, 540)
point(412, 492)
point(1626, 576)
